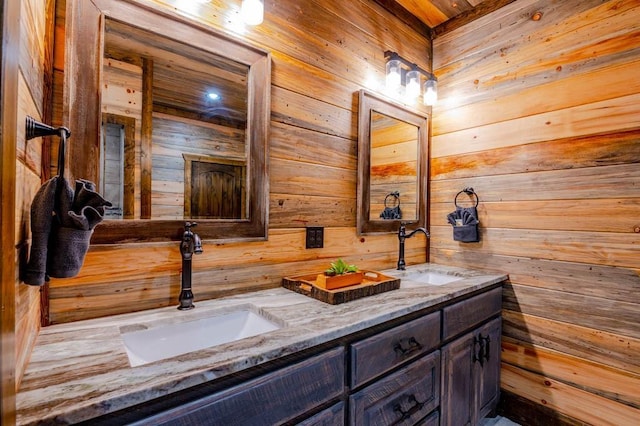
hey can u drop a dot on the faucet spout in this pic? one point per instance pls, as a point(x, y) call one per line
point(191, 244)
point(402, 236)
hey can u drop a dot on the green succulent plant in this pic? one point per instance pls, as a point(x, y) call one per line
point(340, 267)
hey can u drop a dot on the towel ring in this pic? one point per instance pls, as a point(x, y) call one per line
point(470, 192)
point(395, 195)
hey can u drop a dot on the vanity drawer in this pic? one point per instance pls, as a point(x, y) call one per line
point(468, 313)
point(332, 416)
point(270, 399)
point(380, 353)
point(402, 398)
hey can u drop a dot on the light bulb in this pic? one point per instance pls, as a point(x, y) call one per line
point(430, 92)
point(412, 83)
point(252, 12)
point(394, 79)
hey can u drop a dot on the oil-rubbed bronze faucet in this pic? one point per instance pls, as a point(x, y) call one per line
point(190, 245)
point(402, 235)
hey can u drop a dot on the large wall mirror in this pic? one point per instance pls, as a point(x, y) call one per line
point(392, 165)
point(169, 119)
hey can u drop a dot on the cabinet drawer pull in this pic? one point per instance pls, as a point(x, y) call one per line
point(478, 354)
point(484, 350)
point(404, 415)
point(411, 346)
point(487, 347)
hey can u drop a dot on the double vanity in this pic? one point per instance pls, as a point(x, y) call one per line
point(426, 353)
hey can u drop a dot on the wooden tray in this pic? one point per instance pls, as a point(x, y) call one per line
point(373, 283)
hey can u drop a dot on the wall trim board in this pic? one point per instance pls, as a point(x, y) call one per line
point(9, 56)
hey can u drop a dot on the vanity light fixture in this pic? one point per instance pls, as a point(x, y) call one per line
point(394, 75)
point(397, 67)
point(252, 11)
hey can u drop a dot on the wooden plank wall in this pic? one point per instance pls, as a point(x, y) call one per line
point(34, 63)
point(316, 76)
point(542, 119)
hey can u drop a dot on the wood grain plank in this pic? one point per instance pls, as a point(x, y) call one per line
point(577, 309)
point(597, 378)
point(616, 181)
point(563, 91)
point(516, 49)
point(301, 111)
point(293, 143)
point(292, 177)
point(610, 115)
point(576, 403)
point(603, 347)
point(291, 210)
point(580, 278)
point(599, 215)
point(599, 248)
point(603, 149)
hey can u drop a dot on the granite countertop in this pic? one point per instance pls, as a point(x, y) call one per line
point(80, 370)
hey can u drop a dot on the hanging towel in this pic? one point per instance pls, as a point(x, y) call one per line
point(62, 221)
point(465, 220)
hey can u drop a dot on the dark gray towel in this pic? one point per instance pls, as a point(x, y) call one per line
point(61, 227)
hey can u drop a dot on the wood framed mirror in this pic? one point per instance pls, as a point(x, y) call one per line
point(392, 165)
point(170, 120)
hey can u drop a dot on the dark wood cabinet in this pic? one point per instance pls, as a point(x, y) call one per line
point(402, 398)
point(471, 363)
point(437, 367)
point(382, 352)
point(274, 398)
point(332, 416)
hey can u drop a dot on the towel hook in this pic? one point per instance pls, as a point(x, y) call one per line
point(34, 129)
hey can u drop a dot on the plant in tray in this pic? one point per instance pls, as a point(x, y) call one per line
point(340, 267)
point(339, 275)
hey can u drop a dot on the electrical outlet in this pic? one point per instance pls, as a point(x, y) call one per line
point(315, 237)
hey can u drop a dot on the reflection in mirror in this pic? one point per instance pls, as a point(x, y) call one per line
point(393, 172)
point(170, 120)
point(392, 165)
point(198, 106)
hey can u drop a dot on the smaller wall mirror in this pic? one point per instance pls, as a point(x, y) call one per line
point(392, 165)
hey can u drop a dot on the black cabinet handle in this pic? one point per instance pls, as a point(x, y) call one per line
point(487, 347)
point(411, 346)
point(479, 353)
point(404, 415)
point(484, 351)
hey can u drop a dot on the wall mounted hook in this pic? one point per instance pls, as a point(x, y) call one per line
point(34, 129)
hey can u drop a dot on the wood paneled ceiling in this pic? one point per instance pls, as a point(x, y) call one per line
point(436, 17)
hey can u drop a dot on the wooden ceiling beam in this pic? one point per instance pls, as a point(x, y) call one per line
point(405, 16)
point(468, 16)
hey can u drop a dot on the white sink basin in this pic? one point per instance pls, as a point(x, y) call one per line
point(166, 341)
point(430, 277)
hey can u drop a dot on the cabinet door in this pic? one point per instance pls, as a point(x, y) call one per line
point(458, 372)
point(471, 375)
point(489, 371)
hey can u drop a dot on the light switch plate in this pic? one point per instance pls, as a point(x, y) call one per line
point(315, 237)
